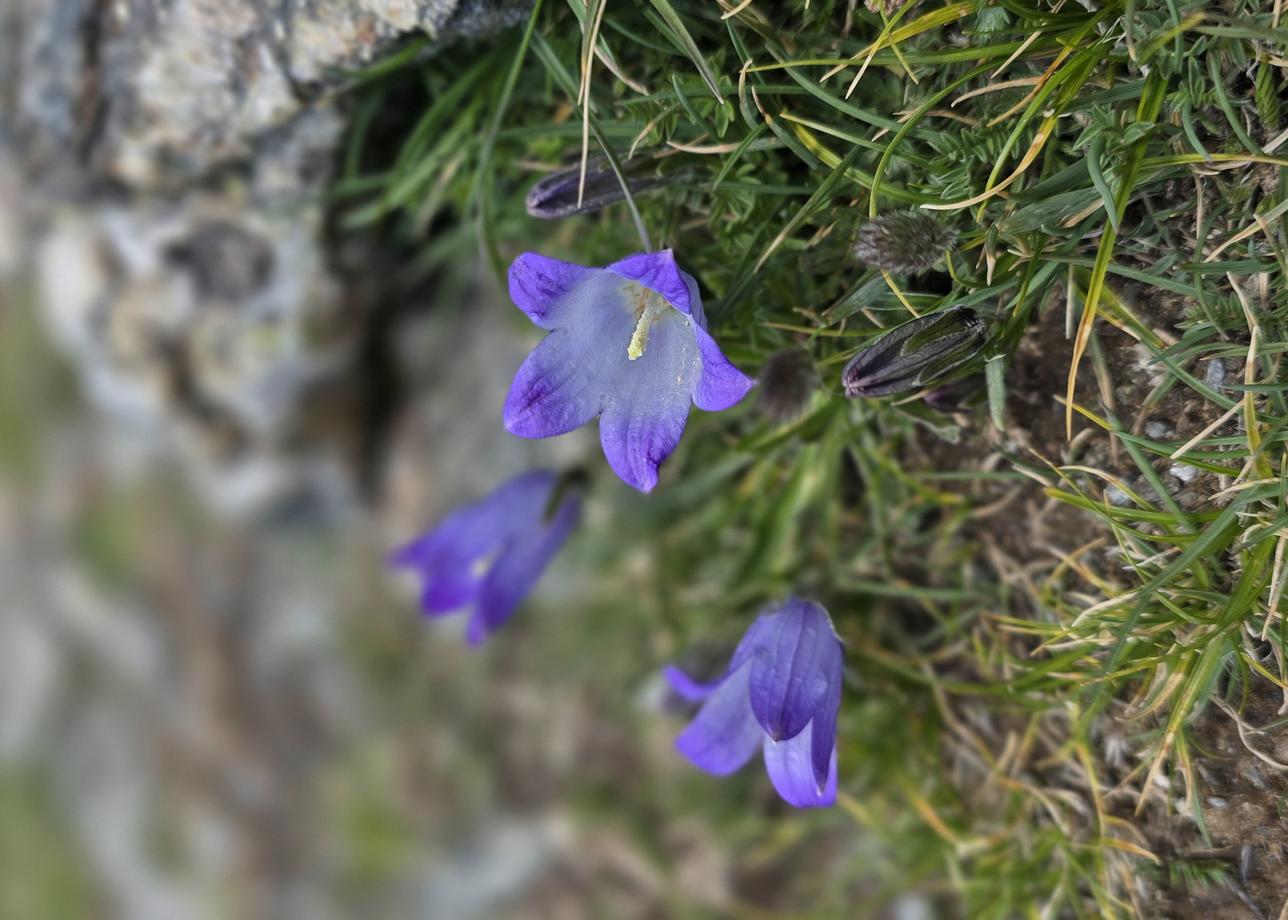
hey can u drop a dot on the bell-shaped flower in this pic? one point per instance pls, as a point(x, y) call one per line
point(628, 343)
point(781, 693)
point(490, 554)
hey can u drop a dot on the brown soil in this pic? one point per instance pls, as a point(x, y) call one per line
point(1245, 813)
point(1026, 533)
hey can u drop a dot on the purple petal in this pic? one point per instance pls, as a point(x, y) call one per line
point(450, 588)
point(659, 272)
point(566, 380)
point(686, 687)
point(720, 385)
point(823, 729)
point(446, 556)
point(518, 567)
point(790, 767)
point(539, 285)
point(799, 670)
point(724, 734)
point(643, 420)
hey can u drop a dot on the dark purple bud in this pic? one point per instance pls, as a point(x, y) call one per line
point(907, 243)
point(556, 195)
point(918, 354)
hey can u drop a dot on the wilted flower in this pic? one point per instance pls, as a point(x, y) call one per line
point(561, 194)
point(781, 693)
point(787, 381)
point(491, 553)
point(907, 243)
point(919, 353)
point(627, 343)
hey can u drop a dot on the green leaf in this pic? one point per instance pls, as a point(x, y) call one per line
point(679, 34)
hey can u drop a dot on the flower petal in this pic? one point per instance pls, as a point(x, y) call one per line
point(564, 383)
point(686, 687)
point(799, 670)
point(823, 728)
point(790, 767)
point(539, 285)
point(518, 567)
point(657, 271)
point(724, 734)
point(446, 556)
point(450, 588)
point(644, 417)
point(720, 385)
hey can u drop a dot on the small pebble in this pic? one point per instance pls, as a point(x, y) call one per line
point(1159, 431)
point(1118, 497)
point(1214, 375)
point(1216, 801)
point(1183, 471)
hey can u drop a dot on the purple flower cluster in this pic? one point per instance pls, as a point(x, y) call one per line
point(628, 344)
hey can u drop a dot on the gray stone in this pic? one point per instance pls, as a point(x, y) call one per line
point(1183, 471)
point(1214, 373)
point(162, 164)
point(1159, 431)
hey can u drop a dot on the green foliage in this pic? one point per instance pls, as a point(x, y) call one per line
point(1088, 159)
point(37, 854)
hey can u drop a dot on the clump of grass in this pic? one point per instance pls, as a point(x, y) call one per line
point(1114, 173)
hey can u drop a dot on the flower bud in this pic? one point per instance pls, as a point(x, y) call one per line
point(787, 381)
point(917, 354)
point(556, 195)
point(886, 7)
point(907, 244)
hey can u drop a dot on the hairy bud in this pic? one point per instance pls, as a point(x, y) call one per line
point(907, 243)
point(888, 7)
point(787, 381)
point(917, 354)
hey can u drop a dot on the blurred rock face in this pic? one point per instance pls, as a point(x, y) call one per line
point(165, 164)
point(198, 325)
point(155, 93)
point(162, 164)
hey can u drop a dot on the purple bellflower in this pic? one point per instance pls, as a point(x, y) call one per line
point(490, 554)
point(627, 343)
point(781, 693)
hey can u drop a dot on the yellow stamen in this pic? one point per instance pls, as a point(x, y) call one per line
point(650, 306)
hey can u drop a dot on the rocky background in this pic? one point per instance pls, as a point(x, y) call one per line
point(163, 170)
point(213, 424)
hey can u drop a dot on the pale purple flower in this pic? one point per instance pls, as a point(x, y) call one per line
point(490, 554)
point(627, 343)
point(781, 694)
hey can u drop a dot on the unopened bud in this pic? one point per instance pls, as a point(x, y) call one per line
point(562, 194)
point(918, 354)
point(906, 244)
point(787, 381)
